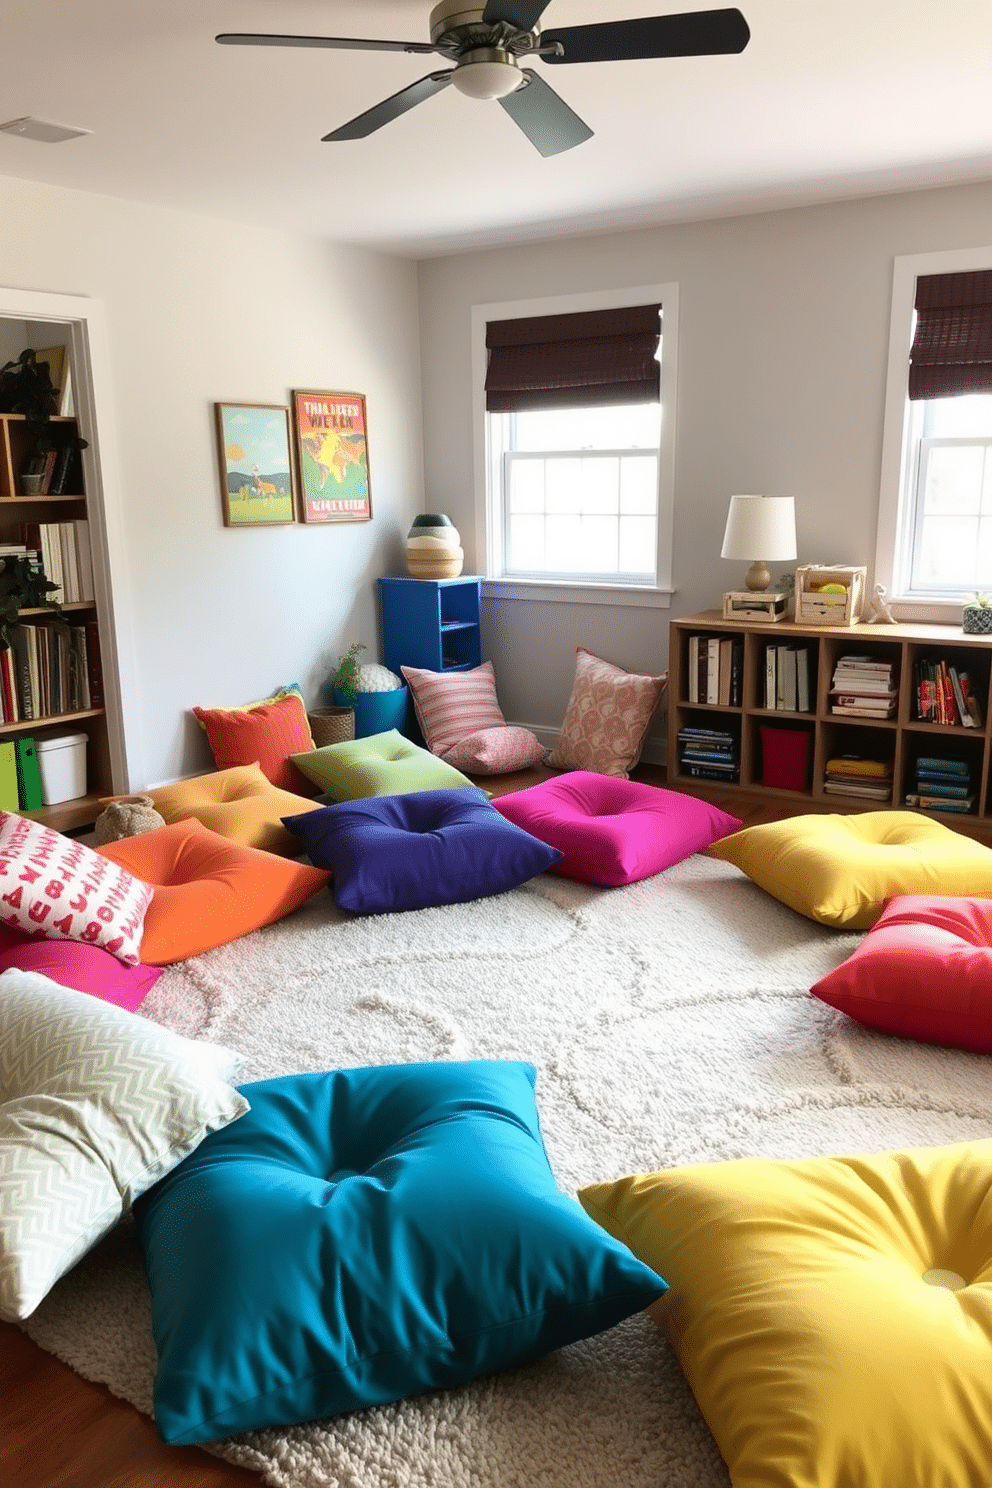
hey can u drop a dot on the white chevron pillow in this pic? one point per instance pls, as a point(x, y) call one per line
point(96, 1104)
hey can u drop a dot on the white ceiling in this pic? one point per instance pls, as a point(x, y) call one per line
point(831, 98)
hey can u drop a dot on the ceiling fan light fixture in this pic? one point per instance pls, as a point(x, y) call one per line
point(487, 72)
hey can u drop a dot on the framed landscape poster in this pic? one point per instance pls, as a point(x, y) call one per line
point(333, 452)
point(256, 465)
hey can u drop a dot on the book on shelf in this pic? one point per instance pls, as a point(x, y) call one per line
point(929, 785)
point(847, 787)
point(695, 731)
point(29, 790)
point(943, 764)
point(713, 669)
point(860, 767)
point(8, 686)
point(846, 710)
point(771, 676)
point(94, 664)
point(710, 772)
point(725, 670)
point(9, 798)
point(940, 803)
point(725, 758)
point(692, 668)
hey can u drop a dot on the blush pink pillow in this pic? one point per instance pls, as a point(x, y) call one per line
point(607, 718)
point(84, 968)
point(615, 831)
point(497, 751)
point(452, 705)
point(924, 971)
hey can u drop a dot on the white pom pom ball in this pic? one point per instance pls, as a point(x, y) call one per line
point(375, 678)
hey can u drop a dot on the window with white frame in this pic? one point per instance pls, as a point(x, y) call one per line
point(935, 512)
point(579, 465)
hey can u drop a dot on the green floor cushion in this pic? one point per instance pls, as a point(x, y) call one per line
point(363, 1235)
point(379, 765)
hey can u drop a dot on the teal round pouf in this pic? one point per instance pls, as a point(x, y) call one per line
point(377, 712)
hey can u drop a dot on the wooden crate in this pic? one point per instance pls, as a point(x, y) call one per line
point(816, 606)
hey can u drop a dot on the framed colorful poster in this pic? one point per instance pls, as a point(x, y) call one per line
point(256, 465)
point(333, 453)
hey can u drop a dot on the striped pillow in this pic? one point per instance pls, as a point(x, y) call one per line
point(452, 705)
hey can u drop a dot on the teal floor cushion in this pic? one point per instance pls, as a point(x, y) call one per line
point(365, 1234)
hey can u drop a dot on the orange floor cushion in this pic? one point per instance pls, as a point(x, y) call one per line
point(240, 804)
point(208, 890)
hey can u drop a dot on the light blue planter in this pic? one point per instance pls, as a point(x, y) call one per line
point(377, 712)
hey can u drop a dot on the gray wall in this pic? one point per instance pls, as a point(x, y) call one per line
point(784, 322)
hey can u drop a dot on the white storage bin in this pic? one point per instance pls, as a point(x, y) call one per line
point(62, 761)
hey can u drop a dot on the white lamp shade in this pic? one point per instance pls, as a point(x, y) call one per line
point(760, 527)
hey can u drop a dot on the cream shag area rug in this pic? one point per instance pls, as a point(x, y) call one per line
point(670, 1022)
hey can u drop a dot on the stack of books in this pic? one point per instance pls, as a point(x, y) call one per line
point(787, 678)
point(852, 775)
point(709, 754)
point(863, 687)
point(942, 785)
point(715, 670)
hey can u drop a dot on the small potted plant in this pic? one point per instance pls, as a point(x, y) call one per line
point(26, 387)
point(378, 696)
point(976, 617)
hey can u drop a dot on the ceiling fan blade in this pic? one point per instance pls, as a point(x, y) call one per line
point(546, 120)
point(703, 33)
point(350, 43)
point(524, 14)
point(391, 108)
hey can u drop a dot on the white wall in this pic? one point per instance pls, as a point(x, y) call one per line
point(784, 321)
point(199, 311)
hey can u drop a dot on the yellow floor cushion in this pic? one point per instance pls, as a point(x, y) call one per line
point(240, 804)
point(841, 869)
point(832, 1315)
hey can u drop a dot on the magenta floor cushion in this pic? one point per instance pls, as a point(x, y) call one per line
point(615, 831)
point(75, 964)
point(923, 971)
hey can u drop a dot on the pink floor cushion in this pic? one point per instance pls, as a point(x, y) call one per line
point(84, 968)
point(923, 971)
point(615, 831)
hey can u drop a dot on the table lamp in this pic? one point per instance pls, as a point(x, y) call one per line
point(759, 529)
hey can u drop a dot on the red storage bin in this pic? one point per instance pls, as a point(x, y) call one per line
point(785, 758)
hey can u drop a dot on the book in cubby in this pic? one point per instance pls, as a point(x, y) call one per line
point(859, 775)
point(943, 784)
point(945, 693)
point(709, 754)
point(787, 678)
point(863, 687)
point(715, 670)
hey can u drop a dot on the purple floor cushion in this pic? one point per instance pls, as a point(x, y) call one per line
point(425, 847)
point(613, 831)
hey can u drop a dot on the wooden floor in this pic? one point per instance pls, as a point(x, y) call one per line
point(59, 1431)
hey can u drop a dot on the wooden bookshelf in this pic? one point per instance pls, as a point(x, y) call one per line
point(901, 739)
point(16, 510)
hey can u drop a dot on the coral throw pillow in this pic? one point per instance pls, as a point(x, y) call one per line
point(923, 971)
point(59, 888)
point(607, 718)
point(267, 734)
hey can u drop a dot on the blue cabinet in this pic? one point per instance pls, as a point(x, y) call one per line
point(431, 623)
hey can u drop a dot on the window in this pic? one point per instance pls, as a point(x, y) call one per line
point(576, 473)
point(935, 510)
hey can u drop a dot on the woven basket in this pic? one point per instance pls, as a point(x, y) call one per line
point(331, 725)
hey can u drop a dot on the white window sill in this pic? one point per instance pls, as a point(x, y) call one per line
point(919, 611)
point(553, 591)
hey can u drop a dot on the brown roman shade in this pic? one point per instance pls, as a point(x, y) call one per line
point(952, 347)
point(574, 361)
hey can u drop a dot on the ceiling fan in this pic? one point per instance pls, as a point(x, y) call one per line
point(487, 43)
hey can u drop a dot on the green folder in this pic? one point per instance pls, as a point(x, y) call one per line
point(9, 798)
point(28, 775)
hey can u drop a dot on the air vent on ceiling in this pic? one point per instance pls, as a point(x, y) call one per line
point(42, 129)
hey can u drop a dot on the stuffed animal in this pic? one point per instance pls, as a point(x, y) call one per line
point(126, 817)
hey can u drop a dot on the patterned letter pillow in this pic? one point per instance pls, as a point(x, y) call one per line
point(363, 1235)
point(923, 971)
point(96, 1104)
point(462, 722)
point(607, 718)
point(58, 887)
point(614, 831)
point(841, 869)
point(390, 853)
point(833, 1315)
